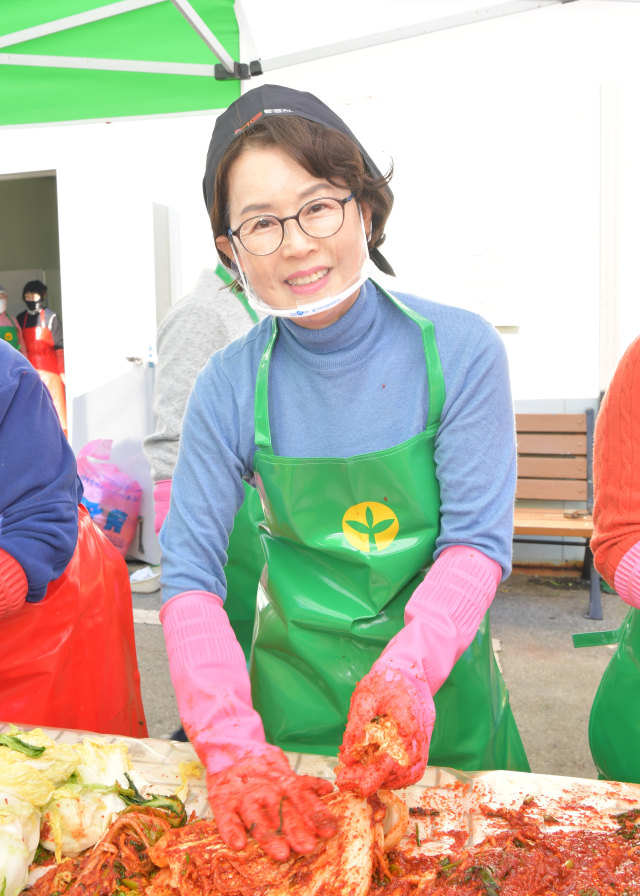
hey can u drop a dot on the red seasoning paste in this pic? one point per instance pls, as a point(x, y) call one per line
point(524, 861)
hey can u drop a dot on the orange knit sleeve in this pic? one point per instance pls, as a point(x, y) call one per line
point(616, 467)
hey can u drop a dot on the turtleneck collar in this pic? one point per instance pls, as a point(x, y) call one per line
point(347, 340)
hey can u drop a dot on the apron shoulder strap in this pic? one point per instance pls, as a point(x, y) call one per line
point(240, 296)
point(263, 430)
point(435, 376)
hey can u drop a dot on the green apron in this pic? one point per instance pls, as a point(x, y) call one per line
point(614, 725)
point(346, 542)
point(245, 559)
point(10, 335)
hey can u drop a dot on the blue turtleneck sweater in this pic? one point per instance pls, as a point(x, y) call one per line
point(355, 387)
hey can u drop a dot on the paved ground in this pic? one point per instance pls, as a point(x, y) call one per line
point(159, 700)
point(551, 685)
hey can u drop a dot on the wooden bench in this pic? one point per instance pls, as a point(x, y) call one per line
point(555, 462)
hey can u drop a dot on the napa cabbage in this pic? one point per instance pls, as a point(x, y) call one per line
point(32, 765)
point(80, 811)
point(19, 833)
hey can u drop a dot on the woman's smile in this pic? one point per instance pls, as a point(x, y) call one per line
point(308, 283)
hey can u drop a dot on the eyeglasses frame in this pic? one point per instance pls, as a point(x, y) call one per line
point(295, 218)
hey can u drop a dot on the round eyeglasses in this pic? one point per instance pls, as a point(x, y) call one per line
point(318, 218)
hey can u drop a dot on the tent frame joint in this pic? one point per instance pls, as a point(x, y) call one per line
point(242, 71)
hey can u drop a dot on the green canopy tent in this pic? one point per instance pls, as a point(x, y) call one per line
point(82, 60)
point(70, 60)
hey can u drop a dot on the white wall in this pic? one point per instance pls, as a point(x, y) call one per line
point(494, 132)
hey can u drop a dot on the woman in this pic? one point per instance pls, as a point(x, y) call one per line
point(67, 648)
point(42, 332)
point(379, 432)
point(614, 732)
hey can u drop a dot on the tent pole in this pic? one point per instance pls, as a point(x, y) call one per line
point(393, 34)
point(81, 18)
point(204, 32)
point(110, 65)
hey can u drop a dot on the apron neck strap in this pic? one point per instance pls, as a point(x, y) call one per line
point(240, 296)
point(435, 377)
point(263, 429)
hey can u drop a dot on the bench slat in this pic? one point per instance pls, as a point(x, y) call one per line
point(552, 444)
point(543, 522)
point(552, 467)
point(552, 489)
point(551, 423)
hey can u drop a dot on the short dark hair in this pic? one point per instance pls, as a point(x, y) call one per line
point(323, 152)
point(36, 286)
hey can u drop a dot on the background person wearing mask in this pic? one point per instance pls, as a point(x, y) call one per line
point(9, 329)
point(42, 332)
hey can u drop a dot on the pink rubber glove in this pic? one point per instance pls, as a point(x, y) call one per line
point(627, 577)
point(251, 785)
point(161, 501)
point(441, 620)
point(13, 585)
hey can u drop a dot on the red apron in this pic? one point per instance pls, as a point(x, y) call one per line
point(70, 660)
point(39, 344)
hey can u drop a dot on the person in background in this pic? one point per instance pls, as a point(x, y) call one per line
point(67, 648)
point(201, 323)
point(42, 332)
point(614, 729)
point(9, 329)
point(616, 511)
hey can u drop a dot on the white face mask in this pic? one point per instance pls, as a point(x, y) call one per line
point(3, 305)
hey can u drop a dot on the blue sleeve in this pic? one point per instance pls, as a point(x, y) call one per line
point(476, 448)
point(206, 490)
point(40, 488)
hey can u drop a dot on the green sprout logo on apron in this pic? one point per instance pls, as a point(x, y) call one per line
point(370, 526)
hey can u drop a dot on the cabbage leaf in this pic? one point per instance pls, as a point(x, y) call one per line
point(19, 832)
point(79, 812)
point(53, 762)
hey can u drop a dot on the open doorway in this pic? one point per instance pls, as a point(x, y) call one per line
point(30, 254)
point(29, 245)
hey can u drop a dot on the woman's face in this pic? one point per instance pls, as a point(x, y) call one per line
point(268, 181)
